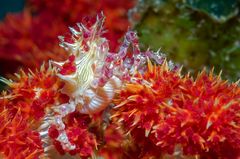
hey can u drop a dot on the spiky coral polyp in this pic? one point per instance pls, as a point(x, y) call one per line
point(17, 140)
point(22, 110)
point(207, 118)
point(34, 92)
point(142, 104)
point(201, 115)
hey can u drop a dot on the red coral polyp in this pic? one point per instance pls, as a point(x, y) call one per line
point(17, 140)
point(200, 115)
point(141, 103)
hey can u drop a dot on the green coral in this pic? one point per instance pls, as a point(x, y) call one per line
point(191, 37)
point(219, 10)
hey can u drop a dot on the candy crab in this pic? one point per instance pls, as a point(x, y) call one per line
point(92, 74)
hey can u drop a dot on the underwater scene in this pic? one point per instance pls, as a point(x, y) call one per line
point(126, 79)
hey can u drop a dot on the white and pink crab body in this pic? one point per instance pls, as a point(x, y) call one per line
point(98, 72)
point(90, 87)
point(95, 74)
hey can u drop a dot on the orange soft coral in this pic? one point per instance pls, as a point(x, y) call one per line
point(22, 110)
point(202, 115)
point(33, 92)
point(17, 139)
point(140, 105)
point(206, 120)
